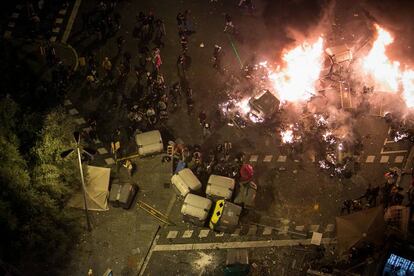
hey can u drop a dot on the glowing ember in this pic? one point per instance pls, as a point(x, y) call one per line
point(296, 80)
point(320, 120)
point(400, 136)
point(376, 63)
point(243, 106)
point(287, 136)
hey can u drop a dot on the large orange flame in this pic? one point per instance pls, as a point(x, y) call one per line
point(386, 74)
point(297, 79)
point(378, 66)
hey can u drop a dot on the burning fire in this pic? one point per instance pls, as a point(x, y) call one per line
point(387, 75)
point(296, 81)
point(376, 63)
point(287, 136)
point(290, 134)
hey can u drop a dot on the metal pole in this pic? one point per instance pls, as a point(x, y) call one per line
point(88, 222)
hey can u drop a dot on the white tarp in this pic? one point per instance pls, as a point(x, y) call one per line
point(97, 190)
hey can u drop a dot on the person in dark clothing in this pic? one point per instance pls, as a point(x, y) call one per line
point(184, 43)
point(346, 206)
point(202, 117)
point(120, 42)
point(159, 33)
point(216, 59)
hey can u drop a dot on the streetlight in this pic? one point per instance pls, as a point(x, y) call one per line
point(90, 152)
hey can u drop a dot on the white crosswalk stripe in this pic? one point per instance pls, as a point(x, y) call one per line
point(314, 228)
point(109, 161)
point(219, 234)
point(187, 234)
point(267, 231)
point(172, 234)
point(252, 230)
point(236, 233)
point(102, 151)
point(203, 233)
point(268, 158)
point(384, 159)
point(253, 158)
point(283, 230)
point(370, 159)
point(282, 158)
point(399, 159)
point(300, 227)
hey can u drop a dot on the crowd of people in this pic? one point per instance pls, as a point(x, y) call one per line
point(389, 194)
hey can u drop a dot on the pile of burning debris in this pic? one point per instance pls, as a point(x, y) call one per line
point(309, 71)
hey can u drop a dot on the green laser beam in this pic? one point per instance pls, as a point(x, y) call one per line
point(235, 51)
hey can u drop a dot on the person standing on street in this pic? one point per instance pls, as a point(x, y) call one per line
point(216, 59)
point(159, 33)
point(107, 65)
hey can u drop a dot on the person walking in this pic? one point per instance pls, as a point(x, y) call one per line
point(157, 59)
point(206, 130)
point(202, 117)
point(184, 43)
point(107, 65)
point(159, 33)
point(216, 59)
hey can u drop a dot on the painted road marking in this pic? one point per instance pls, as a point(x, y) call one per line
point(102, 151)
point(393, 151)
point(329, 228)
point(283, 230)
point(187, 234)
point(71, 20)
point(236, 233)
point(11, 24)
point(300, 227)
point(109, 161)
point(15, 15)
point(73, 111)
point(253, 158)
point(252, 230)
point(267, 231)
point(219, 234)
point(370, 159)
point(172, 234)
point(80, 121)
point(243, 244)
point(56, 30)
point(399, 159)
point(59, 21)
point(53, 39)
point(282, 158)
point(314, 228)
point(63, 11)
point(203, 233)
point(268, 158)
point(384, 159)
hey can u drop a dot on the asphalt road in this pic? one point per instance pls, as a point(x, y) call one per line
point(292, 196)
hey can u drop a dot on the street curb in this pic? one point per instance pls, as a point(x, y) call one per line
point(75, 53)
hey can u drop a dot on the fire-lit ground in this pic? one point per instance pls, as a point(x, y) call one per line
point(299, 155)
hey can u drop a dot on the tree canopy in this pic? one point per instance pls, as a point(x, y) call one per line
point(35, 225)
